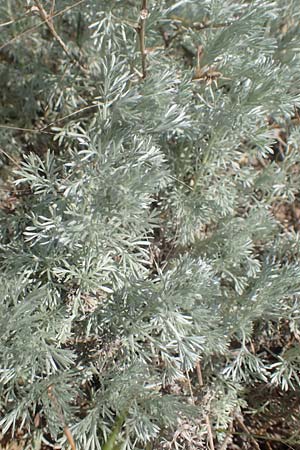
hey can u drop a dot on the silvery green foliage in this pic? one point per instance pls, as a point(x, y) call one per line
point(142, 237)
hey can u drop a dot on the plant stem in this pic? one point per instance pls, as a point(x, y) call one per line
point(207, 420)
point(110, 444)
point(59, 411)
point(48, 19)
point(199, 374)
point(244, 428)
point(141, 32)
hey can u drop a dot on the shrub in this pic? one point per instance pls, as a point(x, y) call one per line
point(146, 147)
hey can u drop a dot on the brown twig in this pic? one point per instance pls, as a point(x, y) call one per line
point(199, 374)
point(190, 387)
point(57, 121)
point(10, 22)
point(36, 27)
point(264, 438)
point(52, 10)
point(48, 19)
point(9, 157)
point(228, 438)
point(209, 431)
point(203, 26)
point(27, 130)
point(207, 420)
point(69, 436)
point(141, 33)
point(61, 119)
point(244, 428)
point(66, 429)
point(199, 25)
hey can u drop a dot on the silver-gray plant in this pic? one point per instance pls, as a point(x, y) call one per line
point(139, 245)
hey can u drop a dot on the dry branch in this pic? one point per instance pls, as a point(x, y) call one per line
point(48, 19)
point(141, 33)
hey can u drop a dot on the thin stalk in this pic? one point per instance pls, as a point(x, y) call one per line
point(59, 411)
point(52, 10)
point(209, 431)
point(199, 374)
point(141, 33)
point(48, 19)
point(227, 439)
point(207, 419)
point(36, 27)
point(251, 437)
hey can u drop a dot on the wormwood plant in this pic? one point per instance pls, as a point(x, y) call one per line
point(145, 146)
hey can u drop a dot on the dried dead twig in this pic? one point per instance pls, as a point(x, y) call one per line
point(228, 438)
point(26, 130)
point(141, 33)
point(57, 407)
point(207, 74)
point(9, 157)
point(36, 27)
point(52, 10)
point(199, 374)
point(48, 19)
point(207, 419)
point(209, 431)
point(190, 387)
point(244, 428)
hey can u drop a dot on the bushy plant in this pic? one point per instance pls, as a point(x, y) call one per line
point(145, 146)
